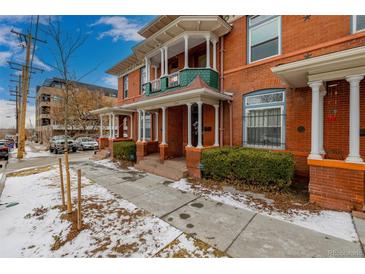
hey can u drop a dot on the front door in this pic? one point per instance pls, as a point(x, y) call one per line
point(175, 131)
point(194, 124)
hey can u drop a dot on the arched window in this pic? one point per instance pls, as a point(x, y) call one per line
point(264, 119)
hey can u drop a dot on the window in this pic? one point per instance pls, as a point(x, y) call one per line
point(358, 23)
point(264, 37)
point(264, 119)
point(143, 79)
point(147, 125)
point(125, 86)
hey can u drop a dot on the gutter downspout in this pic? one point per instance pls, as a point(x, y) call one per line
point(230, 124)
point(221, 129)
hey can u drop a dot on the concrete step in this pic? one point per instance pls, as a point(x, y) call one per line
point(169, 169)
point(101, 154)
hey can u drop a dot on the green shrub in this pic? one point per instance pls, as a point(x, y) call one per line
point(255, 166)
point(125, 150)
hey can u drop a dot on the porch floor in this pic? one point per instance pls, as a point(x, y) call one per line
point(174, 169)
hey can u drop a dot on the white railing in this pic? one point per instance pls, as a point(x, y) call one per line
point(173, 80)
point(155, 85)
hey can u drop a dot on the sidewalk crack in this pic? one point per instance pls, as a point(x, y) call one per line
point(244, 227)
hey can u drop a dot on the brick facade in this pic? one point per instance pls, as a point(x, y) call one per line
point(302, 38)
point(337, 188)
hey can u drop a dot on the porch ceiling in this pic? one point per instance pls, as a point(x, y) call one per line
point(327, 67)
point(204, 95)
point(214, 24)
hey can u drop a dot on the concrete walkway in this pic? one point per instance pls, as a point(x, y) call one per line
point(238, 232)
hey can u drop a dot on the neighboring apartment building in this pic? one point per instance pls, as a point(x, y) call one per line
point(286, 83)
point(48, 101)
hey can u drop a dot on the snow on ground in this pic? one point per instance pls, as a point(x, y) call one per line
point(30, 152)
point(113, 227)
point(186, 246)
point(337, 224)
point(107, 163)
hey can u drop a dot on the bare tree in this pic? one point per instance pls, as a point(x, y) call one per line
point(64, 46)
point(81, 102)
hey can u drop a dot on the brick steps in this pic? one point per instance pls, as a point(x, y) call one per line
point(172, 169)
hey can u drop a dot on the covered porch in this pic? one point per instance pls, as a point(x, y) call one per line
point(337, 168)
point(179, 124)
point(115, 125)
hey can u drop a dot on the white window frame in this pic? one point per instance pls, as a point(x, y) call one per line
point(141, 126)
point(142, 72)
point(278, 18)
point(354, 30)
point(274, 105)
point(125, 77)
point(258, 95)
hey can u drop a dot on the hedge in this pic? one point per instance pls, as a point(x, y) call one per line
point(255, 166)
point(125, 150)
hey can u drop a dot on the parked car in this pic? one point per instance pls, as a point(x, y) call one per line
point(57, 144)
point(4, 150)
point(10, 142)
point(84, 143)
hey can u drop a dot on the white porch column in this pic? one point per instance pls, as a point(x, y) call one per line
point(216, 126)
point(144, 126)
point(163, 125)
point(215, 54)
point(166, 61)
point(354, 138)
point(101, 125)
point(156, 126)
point(189, 124)
point(155, 71)
point(162, 62)
point(113, 126)
point(131, 125)
point(315, 154)
point(321, 121)
point(139, 125)
point(207, 38)
point(110, 125)
point(186, 52)
point(200, 121)
point(118, 126)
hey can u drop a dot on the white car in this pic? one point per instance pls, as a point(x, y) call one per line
point(84, 143)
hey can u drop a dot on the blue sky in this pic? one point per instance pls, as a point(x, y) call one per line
point(110, 39)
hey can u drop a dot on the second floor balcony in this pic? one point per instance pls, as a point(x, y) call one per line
point(181, 79)
point(176, 65)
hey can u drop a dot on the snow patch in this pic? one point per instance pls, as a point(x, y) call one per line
point(334, 223)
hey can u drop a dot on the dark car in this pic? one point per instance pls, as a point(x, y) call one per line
point(58, 144)
point(4, 150)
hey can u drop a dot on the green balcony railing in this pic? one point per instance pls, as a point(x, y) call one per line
point(182, 79)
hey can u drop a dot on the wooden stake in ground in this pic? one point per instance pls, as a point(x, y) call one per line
point(79, 217)
point(61, 179)
point(68, 184)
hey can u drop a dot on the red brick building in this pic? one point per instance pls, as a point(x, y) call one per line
point(287, 83)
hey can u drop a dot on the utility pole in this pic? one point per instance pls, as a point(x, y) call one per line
point(25, 76)
point(26, 69)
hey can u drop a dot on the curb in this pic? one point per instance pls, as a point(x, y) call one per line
point(2, 178)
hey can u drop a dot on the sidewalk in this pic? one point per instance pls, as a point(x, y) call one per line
point(239, 232)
